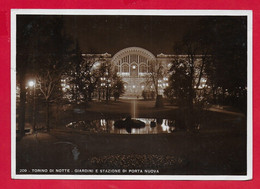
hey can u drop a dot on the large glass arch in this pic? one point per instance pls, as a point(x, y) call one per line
point(133, 67)
point(133, 54)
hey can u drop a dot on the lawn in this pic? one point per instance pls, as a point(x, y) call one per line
point(219, 148)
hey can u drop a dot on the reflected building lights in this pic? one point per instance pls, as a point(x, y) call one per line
point(104, 125)
point(102, 122)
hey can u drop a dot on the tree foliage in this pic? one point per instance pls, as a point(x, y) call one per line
point(46, 49)
point(216, 51)
point(227, 72)
point(117, 86)
point(155, 74)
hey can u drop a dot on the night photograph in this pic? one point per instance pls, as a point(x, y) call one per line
point(131, 95)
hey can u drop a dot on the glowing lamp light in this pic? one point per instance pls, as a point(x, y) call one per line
point(134, 67)
point(31, 83)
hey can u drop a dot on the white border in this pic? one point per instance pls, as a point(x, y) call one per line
point(247, 13)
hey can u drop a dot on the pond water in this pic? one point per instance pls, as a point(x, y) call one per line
point(150, 126)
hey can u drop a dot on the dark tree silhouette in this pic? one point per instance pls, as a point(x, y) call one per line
point(27, 30)
point(155, 74)
point(191, 64)
point(178, 89)
point(75, 78)
point(46, 50)
point(117, 86)
point(216, 50)
point(227, 71)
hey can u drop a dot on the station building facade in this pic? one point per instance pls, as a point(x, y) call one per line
point(133, 65)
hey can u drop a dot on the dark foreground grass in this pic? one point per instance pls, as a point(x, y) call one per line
point(219, 148)
point(180, 153)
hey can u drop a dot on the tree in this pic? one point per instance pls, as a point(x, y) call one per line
point(95, 69)
point(29, 33)
point(49, 84)
point(51, 60)
point(227, 71)
point(196, 47)
point(76, 75)
point(155, 74)
point(187, 71)
point(117, 86)
point(25, 38)
point(88, 74)
point(189, 46)
point(178, 88)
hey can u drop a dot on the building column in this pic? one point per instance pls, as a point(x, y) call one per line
point(120, 67)
point(138, 69)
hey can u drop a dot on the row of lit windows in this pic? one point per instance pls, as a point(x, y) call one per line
point(127, 68)
point(142, 86)
point(133, 58)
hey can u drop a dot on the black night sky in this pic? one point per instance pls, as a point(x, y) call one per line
point(157, 34)
point(100, 34)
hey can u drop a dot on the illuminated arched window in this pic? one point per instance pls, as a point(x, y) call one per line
point(134, 70)
point(116, 69)
point(143, 68)
point(125, 68)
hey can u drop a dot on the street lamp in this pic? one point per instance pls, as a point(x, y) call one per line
point(32, 84)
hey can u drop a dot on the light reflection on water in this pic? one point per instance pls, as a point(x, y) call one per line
point(152, 126)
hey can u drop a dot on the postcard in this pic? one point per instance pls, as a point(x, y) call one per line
point(131, 94)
